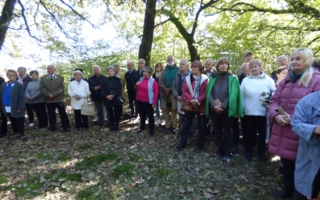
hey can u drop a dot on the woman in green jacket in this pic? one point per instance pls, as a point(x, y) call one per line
point(223, 103)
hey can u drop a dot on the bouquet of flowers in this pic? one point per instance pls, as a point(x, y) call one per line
point(265, 98)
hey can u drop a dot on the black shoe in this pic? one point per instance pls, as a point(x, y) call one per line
point(151, 133)
point(111, 128)
point(182, 144)
point(248, 157)
point(283, 195)
point(263, 158)
point(139, 131)
point(19, 135)
point(66, 129)
point(116, 129)
point(200, 147)
point(51, 129)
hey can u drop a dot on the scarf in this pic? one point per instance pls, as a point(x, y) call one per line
point(171, 73)
point(157, 74)
point(7, 95)
point(294, 77)
point(196, 89)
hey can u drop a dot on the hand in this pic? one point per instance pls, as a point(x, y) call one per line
point(19, 111)
point(78, 97)
point(153, 106)
point(287, 118)
point(281, 120)
point(31, 99)
point(167, 91)
point(179, 98)
point(51, 96)
point(317, 130)
point(110, 97)
point(97, 87)
point(218, 109)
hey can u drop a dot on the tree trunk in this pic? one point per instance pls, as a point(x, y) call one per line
point(148, 29)
point(5, 19)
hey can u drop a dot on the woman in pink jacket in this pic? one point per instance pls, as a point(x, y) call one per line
point(301, 81)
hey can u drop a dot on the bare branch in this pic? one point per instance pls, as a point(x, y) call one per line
point(26, 22)
point(16, 29)
point(53, 16)
point(313, 40)
point(78, 14)
point(107, 2)
point(165, 21)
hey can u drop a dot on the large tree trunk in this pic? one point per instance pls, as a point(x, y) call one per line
point(5, 19)
point(148, 29)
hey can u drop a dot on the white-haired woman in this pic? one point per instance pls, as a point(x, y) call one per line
point(301, 81)
point(79, 92)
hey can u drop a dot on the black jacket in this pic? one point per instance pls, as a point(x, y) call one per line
point(93, 82)
point(25, 81)
point(111, 85)
point(131, 80)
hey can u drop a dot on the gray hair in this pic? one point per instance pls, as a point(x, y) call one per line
point(51, 65)
point(186, 61)
point(96, 66)
point(149, 69)
point(282, 56)
point(131, 63)
point(141, 59)
point(22, 68)
point(110, 68)
point(210, 60)
point(170, 56)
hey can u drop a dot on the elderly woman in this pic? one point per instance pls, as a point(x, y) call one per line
point(282, 73)
point(13, 102)
point(301, 81)
point(36, 99)
point(158, 68)
point(147, 98)
point(224, 99)
point(111, 94)
point(252, 88)
point(194, 94)
point(305, 124)
point(79, 92)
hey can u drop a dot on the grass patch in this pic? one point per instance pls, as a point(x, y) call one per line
point(44, 156)
point(3, 180)
point(74, 177)
point(164, 172)
point(90, 193)
point(62, 158)
point(28, 188)
point(134, 158)
point(84, 146)
point(123, 169)
point(96, 160)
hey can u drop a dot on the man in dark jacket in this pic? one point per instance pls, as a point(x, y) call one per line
point(24, 79)
point(95, 83)
point(245, 72)
point(132, 77)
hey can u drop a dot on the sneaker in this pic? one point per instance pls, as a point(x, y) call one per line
point(157, 122)
point(31, 124)
point(105, 119)
point(226, 159)
point(162, 123)
point(95, 119)
point(139, 131)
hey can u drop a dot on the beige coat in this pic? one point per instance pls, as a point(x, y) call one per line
point(54, 86)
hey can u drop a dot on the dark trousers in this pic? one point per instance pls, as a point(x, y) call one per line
point(223, 130)
point(254, 125)
point(146, 111)
point(41, 113)
point(236, 132)
point(114, 115)
point(51, 107)
point(81, 120)
point(17, 124)
point(288, 175)
point(189, 117)
point(30, 112)
point(4, 126)
point(132, 102)
point(99, 107)
point(315, 190)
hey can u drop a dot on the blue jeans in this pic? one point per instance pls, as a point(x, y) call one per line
point(158, 108)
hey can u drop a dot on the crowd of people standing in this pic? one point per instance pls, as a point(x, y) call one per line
point(249, 101)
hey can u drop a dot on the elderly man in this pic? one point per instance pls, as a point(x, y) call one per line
point(283, 61)
point(209, 70)
point(169, 102)
point(141, 65)
point(95, 82)
point(24, 79)
point(177, 90)
point(52, 88)
point(132, 77)
point(247, 57)
point(245, 72)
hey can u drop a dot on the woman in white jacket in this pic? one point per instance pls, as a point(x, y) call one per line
point(255, 112)
point(79, 92)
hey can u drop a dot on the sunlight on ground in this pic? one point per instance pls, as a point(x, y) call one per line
point(275, 158)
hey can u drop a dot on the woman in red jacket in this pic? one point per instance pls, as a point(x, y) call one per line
point(301, 81)
point(194, 93)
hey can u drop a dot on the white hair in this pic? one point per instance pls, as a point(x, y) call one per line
point(96, 66)
point(141, 59)
point(51, 65)
point(170, 56)
point(280, 57)
point(209, 60)
point(307, 56)
point(131, 63)
point(186, 61)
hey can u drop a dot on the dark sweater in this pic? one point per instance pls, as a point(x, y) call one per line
point(93, 82)
point(131, 79)
point(111, 86)
point(221, 90)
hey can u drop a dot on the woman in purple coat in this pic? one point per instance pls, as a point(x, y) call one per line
point(301, 81)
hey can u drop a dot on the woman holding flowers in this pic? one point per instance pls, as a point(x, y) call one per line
point(253, 87)
point(301, 81)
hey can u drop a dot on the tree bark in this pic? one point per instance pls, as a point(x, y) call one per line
point(148, 30)
point(5, 19)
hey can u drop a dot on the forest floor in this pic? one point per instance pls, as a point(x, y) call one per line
point(98, 164)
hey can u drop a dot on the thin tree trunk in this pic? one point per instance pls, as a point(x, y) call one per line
point(148, 30)
point(5, 19)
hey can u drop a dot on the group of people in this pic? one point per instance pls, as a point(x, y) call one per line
point(250, 97)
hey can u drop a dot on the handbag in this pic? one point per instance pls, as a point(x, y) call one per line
point(87, 109)
point(185, 107)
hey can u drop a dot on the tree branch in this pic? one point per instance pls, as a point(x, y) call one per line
point(165, 21)
point(313, 40)
point(26, 22)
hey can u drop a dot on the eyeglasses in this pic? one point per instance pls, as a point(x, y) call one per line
point(11, 75)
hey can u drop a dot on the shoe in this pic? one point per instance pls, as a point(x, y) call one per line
point(112, 128)
point(151, 133)
point(67, 130)
point(95, 119)
point(263, 158)
point(248, 157)
point(116, 129)
point(226, 159)
point(162, 123)
point(18, 135)
point(157, 122)
point(182, 144)
point(51, 129)
point(31, 124)
point(283, 195)
point(200, 147)
point(139, 131)
point(105, 119)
